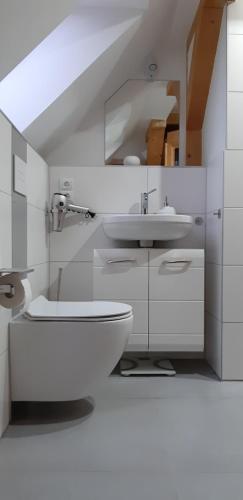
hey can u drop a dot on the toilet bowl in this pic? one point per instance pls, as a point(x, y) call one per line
point(59, 351)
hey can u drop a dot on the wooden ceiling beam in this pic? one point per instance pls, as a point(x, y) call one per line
point(202, 45)
point(173, 89)
point(203, 56)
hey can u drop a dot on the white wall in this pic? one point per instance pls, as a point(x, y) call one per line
point(233, 202)
point(37, 242)
point(116, 190)
point(5, 260)
point(37, 222)
point(223, 148)
point(214, 141)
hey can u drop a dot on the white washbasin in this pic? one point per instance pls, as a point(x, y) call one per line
point(147, 227)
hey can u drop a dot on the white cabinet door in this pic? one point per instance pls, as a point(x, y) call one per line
point(176, 343)
point(176, 283)
point(176, 300)
point(193, 257)
point(176, 317)
point(122, 275)
point(123, 256)
point(120, 283)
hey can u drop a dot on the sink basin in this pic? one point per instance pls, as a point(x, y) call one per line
point(147, 227)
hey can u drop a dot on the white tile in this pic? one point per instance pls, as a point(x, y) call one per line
point(5, 154)
point(213, 343)
point(5, 317)
point(235, 120)
point(37, 179)
point(104, 189)
point(184, 187)
point(233, 236)
point(89, 486)
point(76, 282)
point(5, 230)
point(4, 392)
point(214, 239)
point(235, 18)
point(232, 366)
point(235, 70)
point(213, 296)
point(79, 238)
point(156, 181)
point(37, 236)
point(39, 280)
point(233, 178)
point(209, 486)
point(215, 182)
point(196, 383)
point(233, 294)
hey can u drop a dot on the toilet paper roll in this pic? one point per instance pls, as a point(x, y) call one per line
point(22, 292)
point(27, 295)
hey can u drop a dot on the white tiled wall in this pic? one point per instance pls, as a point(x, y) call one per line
point(37, 244)
point(5, 260)
point(214, 139)
point(116, 190)
point(232, 338)
point(37, 221)
point(235, 76)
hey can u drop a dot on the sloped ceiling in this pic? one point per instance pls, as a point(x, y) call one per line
point(24, 24)
point(59, 60)
point(158, 26)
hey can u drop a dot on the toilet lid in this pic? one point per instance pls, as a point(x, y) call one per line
point(42, 309)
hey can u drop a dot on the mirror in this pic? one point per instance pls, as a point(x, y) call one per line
point(142, 124)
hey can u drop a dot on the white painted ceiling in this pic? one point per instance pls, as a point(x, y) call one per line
point(158, 28)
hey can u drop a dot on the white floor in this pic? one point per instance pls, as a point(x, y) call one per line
point(148, 439)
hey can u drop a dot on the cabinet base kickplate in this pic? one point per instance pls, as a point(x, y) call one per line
point(146, 366)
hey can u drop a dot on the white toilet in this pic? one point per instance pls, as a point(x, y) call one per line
point(60, 350)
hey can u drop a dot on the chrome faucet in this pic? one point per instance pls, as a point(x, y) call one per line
point(144, 201)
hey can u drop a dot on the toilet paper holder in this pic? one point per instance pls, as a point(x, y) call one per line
point(9, 289)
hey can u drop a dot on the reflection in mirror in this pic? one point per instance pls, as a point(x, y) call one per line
point(142, 124)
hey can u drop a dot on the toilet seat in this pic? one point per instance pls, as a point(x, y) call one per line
point(42, 309)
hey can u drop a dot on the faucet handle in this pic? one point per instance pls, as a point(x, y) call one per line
point(152, 191)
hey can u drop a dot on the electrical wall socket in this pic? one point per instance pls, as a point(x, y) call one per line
point(66, 185)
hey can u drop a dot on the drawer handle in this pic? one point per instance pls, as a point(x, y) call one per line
point(118, 261)
point(178, 261)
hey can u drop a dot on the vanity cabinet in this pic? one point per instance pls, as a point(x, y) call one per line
point(165, 287)
point(122, 275)
point(176, 300)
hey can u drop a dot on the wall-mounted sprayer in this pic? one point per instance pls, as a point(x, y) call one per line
point(61, 205)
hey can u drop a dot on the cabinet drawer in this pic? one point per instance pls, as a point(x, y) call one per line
point(137, 343)
point(176, 343)
point(174, 283)
point(113, 258)
point(191, 257)
point(121, 283)
point(176, 317)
